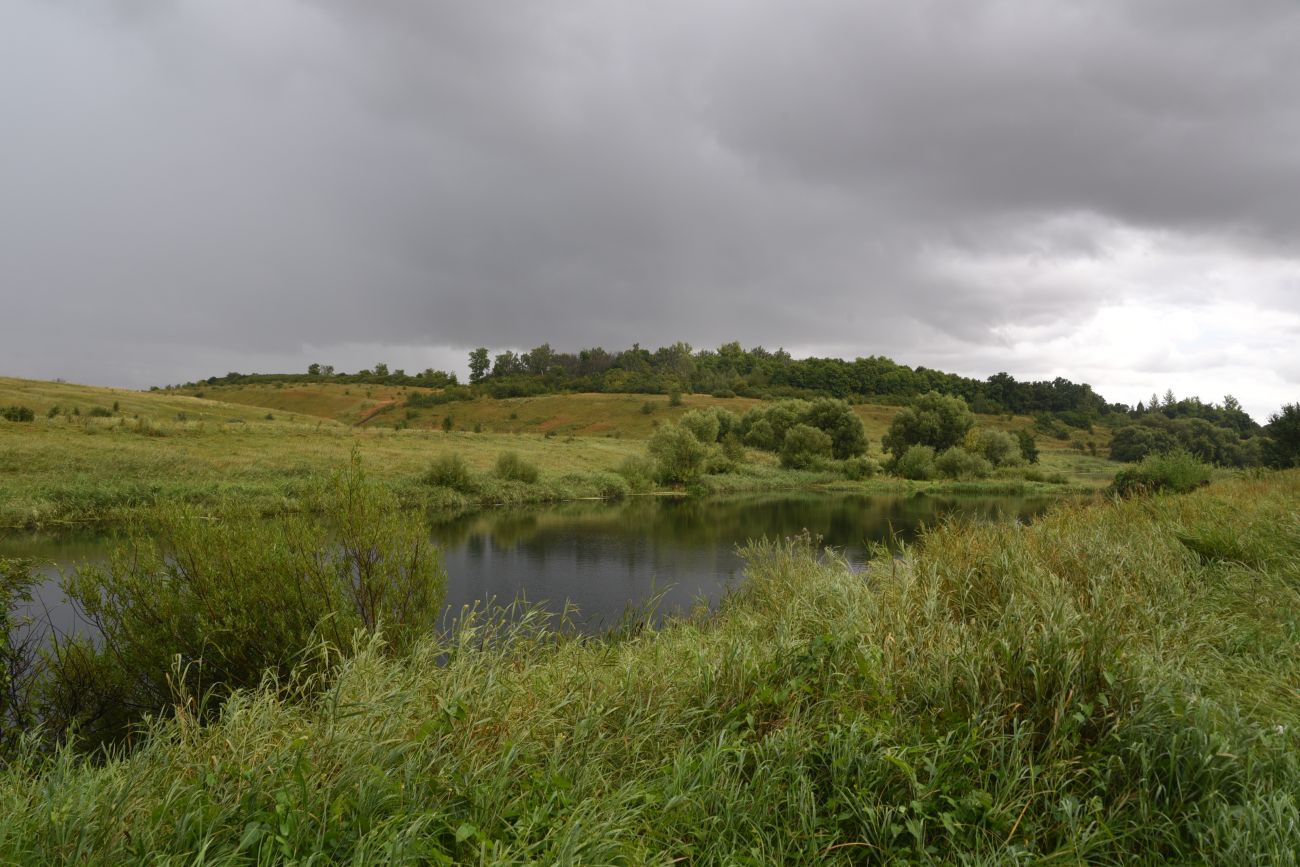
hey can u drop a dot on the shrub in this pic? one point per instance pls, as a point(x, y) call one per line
point(957, 463)
point(732, 448)
point(916, 463)
point(761, 436)
point(17, 653)
point(647, 407)
point(859, 468)
point(189, 609)
point(17, 413)
point(838, 420)
point(450, 471)
point(1028, 446)
point(717, 463)
point(100, 412)
point(513, 468)
point(935, 420)
point(805, 446)
point(677, 453)
point(638, 472)
point(675, 398)
point(999, 448)
point(703, 423)
point(1176, 472)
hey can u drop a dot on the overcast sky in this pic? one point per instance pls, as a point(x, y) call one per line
point(1105, 190)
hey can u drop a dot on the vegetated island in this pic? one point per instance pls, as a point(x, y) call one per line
point(543, 426)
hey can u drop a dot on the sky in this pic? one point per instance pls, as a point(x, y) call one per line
point(1106, 191)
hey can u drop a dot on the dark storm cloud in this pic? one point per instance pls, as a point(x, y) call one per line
point(965, 182)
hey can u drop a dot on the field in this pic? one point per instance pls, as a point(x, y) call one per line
point(107, 452)
point(1115, 683)
point(633, 415)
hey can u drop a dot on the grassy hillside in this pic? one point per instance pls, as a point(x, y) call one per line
point(1079, 456)
point(577, 414)
point(349, 404)
point(262, 444)
point(78, 401)
point(1113, 684)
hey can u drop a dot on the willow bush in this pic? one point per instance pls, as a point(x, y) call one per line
point(189, 608)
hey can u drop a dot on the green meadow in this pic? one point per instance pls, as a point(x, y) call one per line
point(94, 454)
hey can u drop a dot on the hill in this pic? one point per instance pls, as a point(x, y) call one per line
point(568, 413)
point(68, 400)
point(100, 454)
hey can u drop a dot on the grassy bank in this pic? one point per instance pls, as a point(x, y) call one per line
point(1113, 684)
point(107, 469)
point(99, 469)
point(93, 454)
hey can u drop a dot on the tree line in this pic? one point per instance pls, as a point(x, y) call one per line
point(1221, 433)
point(731, 370)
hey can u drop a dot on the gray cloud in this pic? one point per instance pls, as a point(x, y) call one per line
point(951, 184)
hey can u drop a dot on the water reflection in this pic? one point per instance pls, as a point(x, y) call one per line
point(606, 558)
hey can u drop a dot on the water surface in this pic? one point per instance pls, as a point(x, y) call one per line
point(606, 558)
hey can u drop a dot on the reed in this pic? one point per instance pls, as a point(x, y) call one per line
point(1112, 684)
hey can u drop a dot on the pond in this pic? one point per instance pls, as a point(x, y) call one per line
point(605, 559)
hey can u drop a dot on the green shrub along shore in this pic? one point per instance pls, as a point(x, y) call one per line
point(1115, 683)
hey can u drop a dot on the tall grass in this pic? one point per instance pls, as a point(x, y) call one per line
point(1113, 684)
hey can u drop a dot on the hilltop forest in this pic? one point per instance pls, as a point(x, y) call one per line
point(1222, 434)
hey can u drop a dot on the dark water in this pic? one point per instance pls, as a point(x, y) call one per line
point(605, 559)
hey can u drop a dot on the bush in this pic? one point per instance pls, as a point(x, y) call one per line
point(189, 609)
point(1028, 446)
point(647, 407)
point(838, 420)
point(857, 469)
point(761, 436)
point(999, 448)
point(450, 471)
point(1176, 472)
point(17, 413)
point(917, 463)
point(677, 453)
point(732, 448)
point(100, 412)
point(957, 463)
point(511, 467)
point(935, 420)
point(703, 423)
point(17, 654)
point(805, 446)
point(638, 472)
